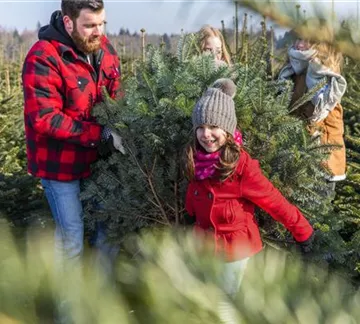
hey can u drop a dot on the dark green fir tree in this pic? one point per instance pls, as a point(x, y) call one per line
point(19, 193)
point(145, 187)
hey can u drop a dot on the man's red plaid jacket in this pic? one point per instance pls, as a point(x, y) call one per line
point(60, 89)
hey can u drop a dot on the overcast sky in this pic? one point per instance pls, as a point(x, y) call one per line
point(166, 16)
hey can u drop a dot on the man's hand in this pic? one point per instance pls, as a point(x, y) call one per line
point(117, 142)
point(114, 139)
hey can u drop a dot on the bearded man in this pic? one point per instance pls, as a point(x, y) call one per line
point(63, 75)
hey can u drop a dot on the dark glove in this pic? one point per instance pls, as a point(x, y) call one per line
point(114, 138)
point(305, 247)
point(189, 220)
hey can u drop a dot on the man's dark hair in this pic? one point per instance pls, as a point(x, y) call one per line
point(72, 8)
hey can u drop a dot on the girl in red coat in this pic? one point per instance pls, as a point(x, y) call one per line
point(226, 184)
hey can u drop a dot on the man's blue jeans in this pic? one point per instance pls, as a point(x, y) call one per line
point(66, 208)
point(64, 201)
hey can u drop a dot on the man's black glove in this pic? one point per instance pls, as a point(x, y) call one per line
point(305, 247)
point(113, 138)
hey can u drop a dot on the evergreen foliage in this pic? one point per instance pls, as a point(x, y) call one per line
point(20, 196)
point(344, 222)
point(12, 144)
point(168, 281)
point(145, 187)
point(347, 201)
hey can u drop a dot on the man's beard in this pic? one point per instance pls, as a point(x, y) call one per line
point(87, 45)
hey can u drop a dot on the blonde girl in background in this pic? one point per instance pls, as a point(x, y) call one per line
point(309, 63)
point(225, 185)
point(211, 40)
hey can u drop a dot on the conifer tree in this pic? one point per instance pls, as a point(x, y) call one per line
point(145, 187)
point(12, 145)
point(19, 194)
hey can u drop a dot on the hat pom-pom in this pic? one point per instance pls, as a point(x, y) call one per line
point(227, 86)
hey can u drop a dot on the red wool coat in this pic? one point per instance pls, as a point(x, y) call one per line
point(60, 89)
point(225, 210)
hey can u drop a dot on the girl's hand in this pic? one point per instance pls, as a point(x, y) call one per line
point(306, 247)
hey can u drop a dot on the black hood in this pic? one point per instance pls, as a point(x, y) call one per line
point(56, 30)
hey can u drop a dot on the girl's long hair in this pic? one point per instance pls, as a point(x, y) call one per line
point(208, 31)
point(329, 56)
point(229, 158)
point(321, 37)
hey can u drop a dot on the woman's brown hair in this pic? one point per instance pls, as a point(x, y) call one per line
point(206, 32)
point(228, 159)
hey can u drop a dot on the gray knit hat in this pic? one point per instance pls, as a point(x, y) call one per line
point(216, 107)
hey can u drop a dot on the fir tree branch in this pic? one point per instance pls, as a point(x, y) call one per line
point(244, 83)
point(148, 177)
point(103, 170)
point(354, 165)
point(146, 78)
point(177, 216)
point(2, 129)
point(153, 219)
point(177, 193)
point(273, 244)
point(154, 203)
point(170, 207)
point(152, 187)
point(306, 97)
point(136, 161)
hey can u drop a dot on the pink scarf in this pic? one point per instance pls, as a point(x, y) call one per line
point(205, 163)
